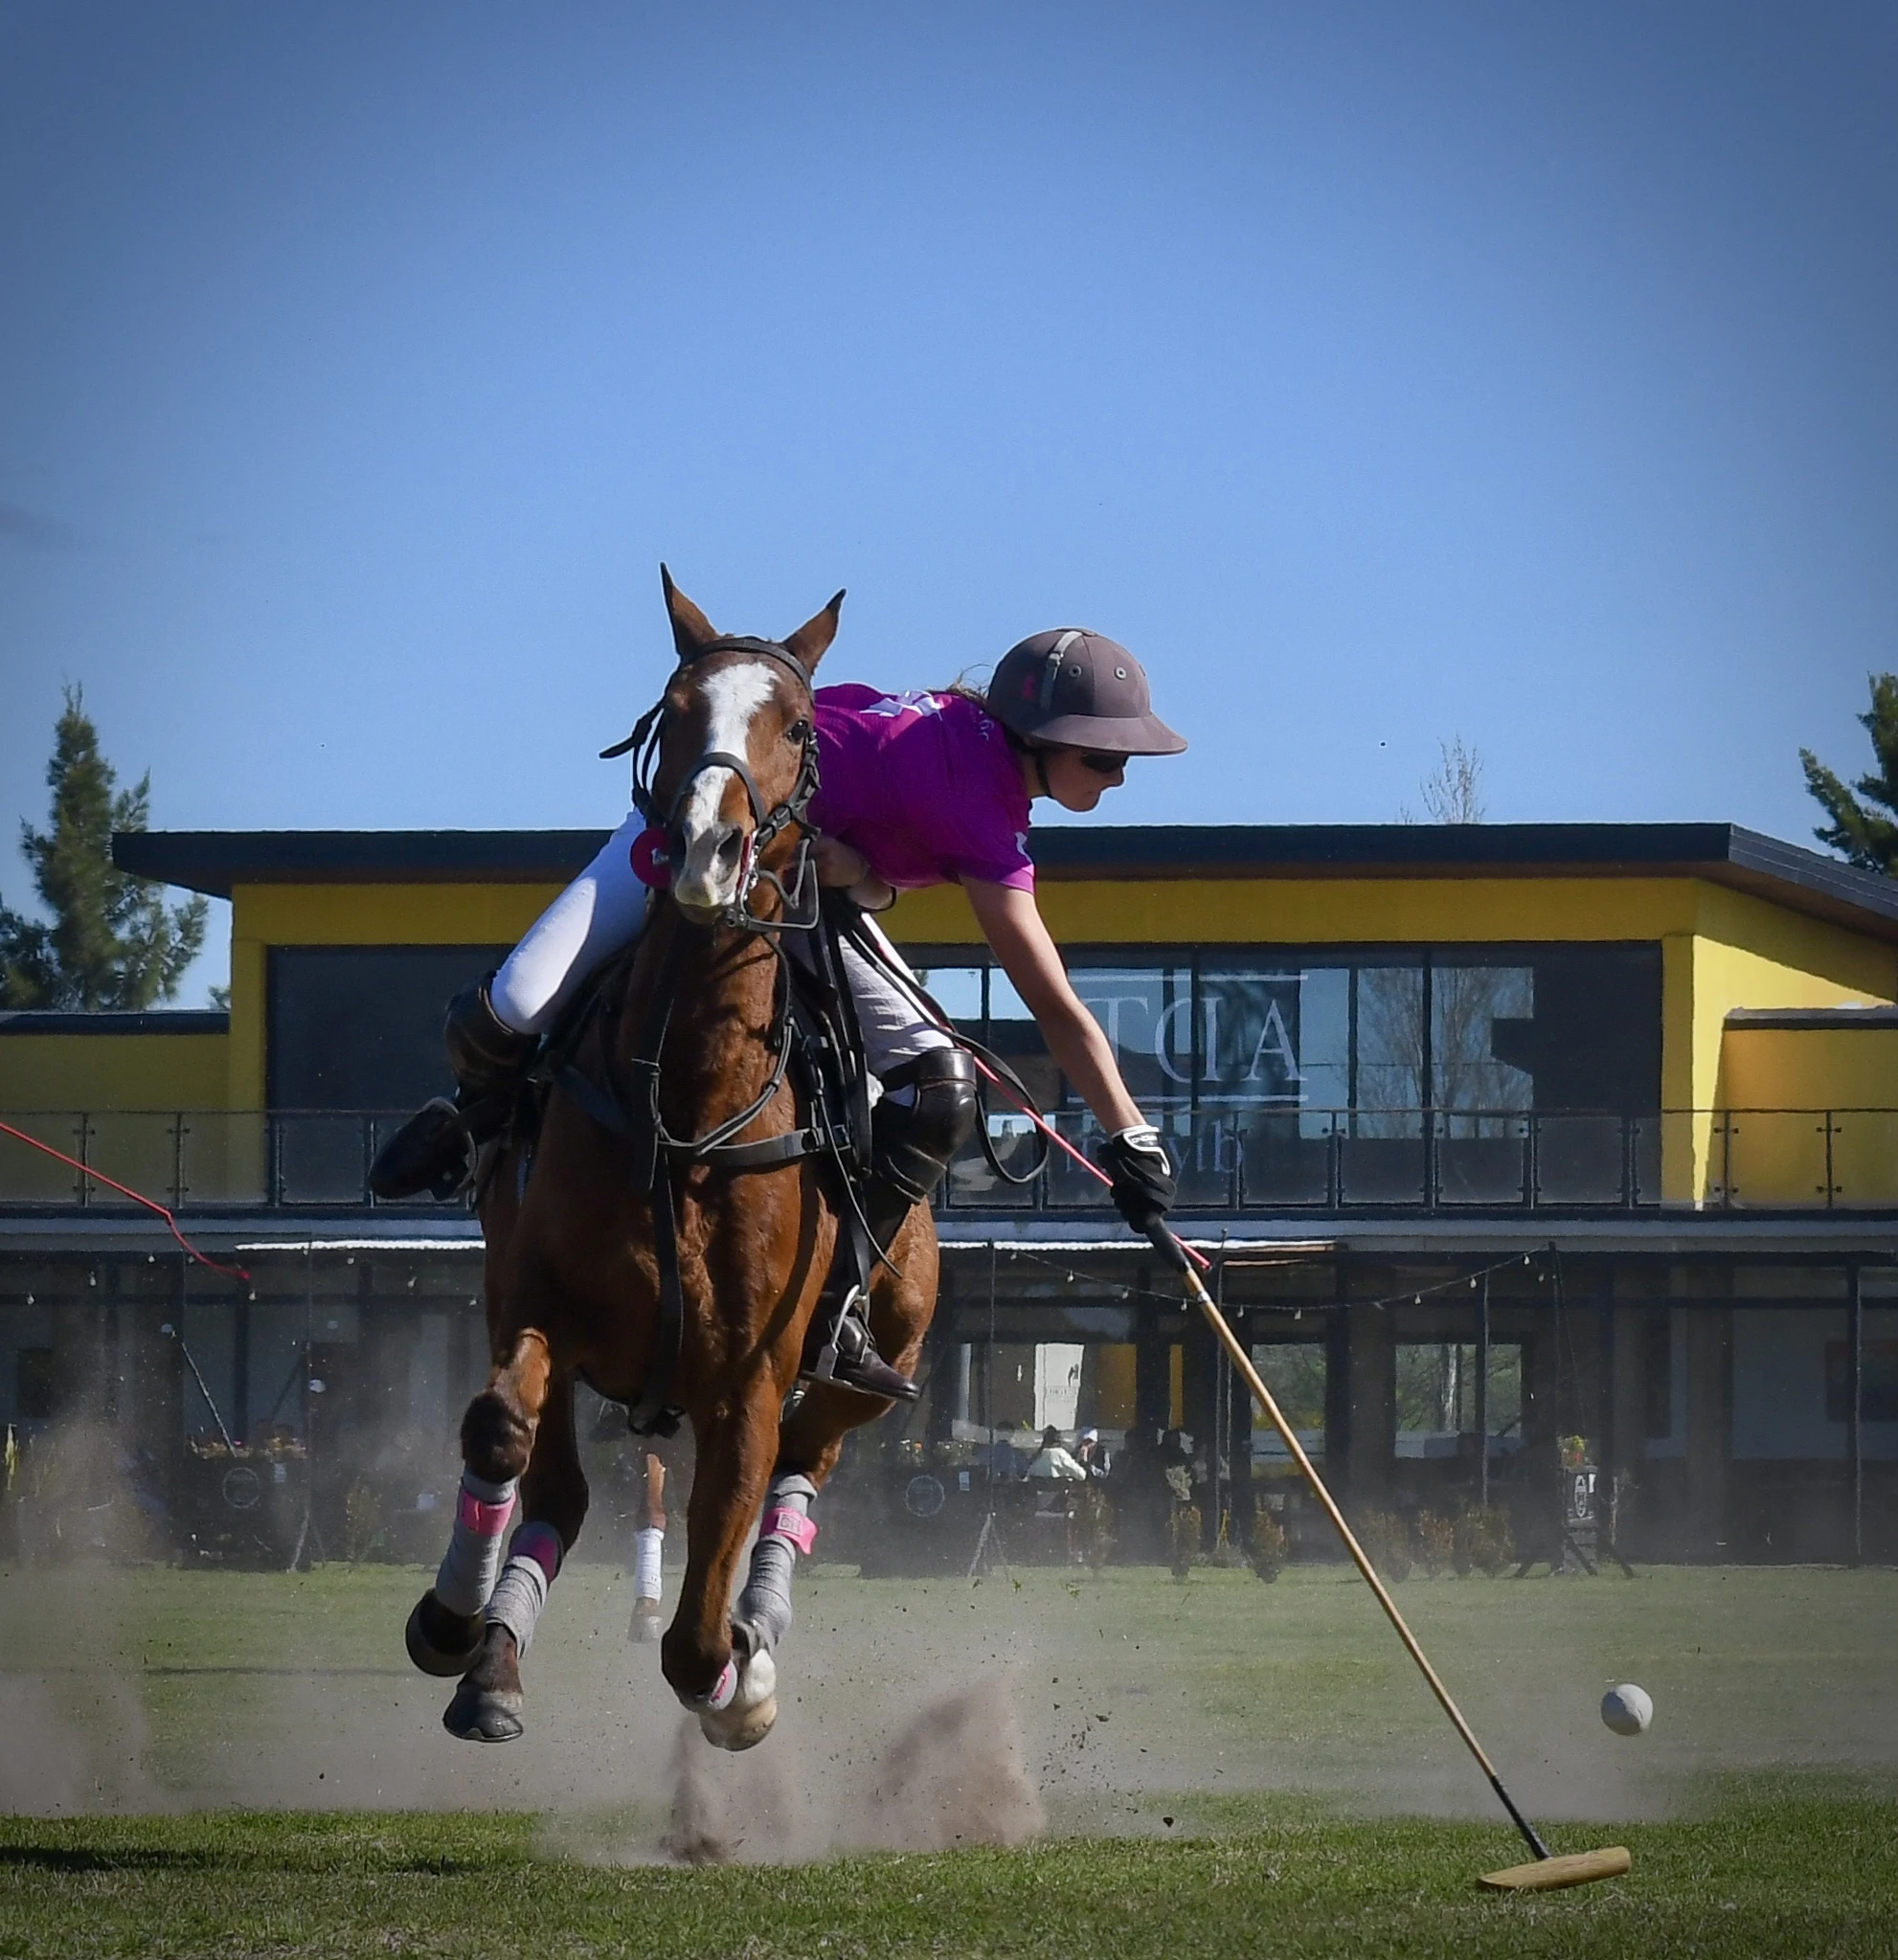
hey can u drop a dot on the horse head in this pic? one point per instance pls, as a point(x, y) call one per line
point(737, 754)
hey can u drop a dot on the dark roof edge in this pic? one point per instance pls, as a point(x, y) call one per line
point(215, 862)
point(1833, 1020)
point(155, 1021)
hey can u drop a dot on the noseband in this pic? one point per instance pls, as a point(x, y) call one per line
point(644, 744)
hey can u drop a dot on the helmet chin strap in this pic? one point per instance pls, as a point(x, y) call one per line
point(1037, 758)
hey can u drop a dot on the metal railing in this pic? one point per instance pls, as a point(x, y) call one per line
point(1230, 1159)
point(1483, 1161)
point(1340, 1160)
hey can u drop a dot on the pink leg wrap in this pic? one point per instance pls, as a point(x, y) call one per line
point(483, 1518)
point(541, 1544)
point(784, 1531)
point(800, 1530)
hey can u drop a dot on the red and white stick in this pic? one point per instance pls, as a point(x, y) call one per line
point(127, 1191)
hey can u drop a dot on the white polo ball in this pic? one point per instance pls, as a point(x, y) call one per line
point(1627, 1709)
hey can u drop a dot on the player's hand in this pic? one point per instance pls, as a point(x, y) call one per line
point(837, 865)
point(1143, 1187)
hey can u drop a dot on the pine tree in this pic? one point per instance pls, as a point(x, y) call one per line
point(112, 942)
point(1864, 836)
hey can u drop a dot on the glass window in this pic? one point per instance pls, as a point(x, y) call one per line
point(1389, 1076)
point(359, 1027)
point(1480, 1018)
point(1251, 1025)
point(958, 991)
point(1592, 1037)
point(1324, 1045)
point(1013, 1033)
point(1291, 1073)
point(1295, 1371)
point(1146, 1012)
point(1437, 1387)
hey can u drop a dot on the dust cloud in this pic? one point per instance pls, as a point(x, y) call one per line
point(955, 1775)
point(74, 1748)
point(921, 1714)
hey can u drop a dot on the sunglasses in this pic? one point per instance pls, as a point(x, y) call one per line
point(1102, 763)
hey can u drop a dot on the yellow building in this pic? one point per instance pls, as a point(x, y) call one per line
point(1657, 1062)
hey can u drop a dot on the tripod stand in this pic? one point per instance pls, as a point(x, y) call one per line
point(989, 1542)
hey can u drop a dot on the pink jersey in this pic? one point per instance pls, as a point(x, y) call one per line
point(924, 785)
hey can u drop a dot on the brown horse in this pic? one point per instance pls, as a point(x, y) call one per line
point(571, 1271)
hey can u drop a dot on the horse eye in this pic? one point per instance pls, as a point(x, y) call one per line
point(798, 732)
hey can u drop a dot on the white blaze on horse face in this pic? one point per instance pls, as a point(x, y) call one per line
point(732, 697)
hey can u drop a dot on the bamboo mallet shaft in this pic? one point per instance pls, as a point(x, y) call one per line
point(1168, 1245)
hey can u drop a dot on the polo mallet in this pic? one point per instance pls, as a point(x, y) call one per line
point(1549, 1872)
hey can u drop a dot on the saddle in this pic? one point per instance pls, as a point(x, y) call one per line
point(817, 1046)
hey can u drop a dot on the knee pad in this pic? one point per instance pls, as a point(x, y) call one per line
point(911, 1143)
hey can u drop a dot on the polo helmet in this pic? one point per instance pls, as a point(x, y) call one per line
point(1081, 691)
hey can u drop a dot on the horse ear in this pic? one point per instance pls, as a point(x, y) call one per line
point(809, 642)
point(691, 631)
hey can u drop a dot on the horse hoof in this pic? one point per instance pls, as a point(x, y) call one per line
point(730, 1728)
point(746, 1719)
point(485, 1715)
point(646, 1625)
point(440, 1643)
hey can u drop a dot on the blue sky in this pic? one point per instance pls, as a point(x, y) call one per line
point(1378, 373)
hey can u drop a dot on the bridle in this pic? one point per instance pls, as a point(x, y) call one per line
point(799, 901)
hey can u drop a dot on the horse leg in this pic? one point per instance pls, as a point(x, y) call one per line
point(729, 1686)
point(487, 1705)
point(808, 1448)
point(649, 1548)
point(765, 1613)
point(444, 1634)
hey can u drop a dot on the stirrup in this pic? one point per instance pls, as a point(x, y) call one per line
point(434, 1152)
point(849, 1358)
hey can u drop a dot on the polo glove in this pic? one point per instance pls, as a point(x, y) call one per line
point(1143, 1189)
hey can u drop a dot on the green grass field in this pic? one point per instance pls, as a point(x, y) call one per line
point(243, 1764)
point(1785, 1873)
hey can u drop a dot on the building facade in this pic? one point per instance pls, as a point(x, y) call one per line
point(1513, 1146)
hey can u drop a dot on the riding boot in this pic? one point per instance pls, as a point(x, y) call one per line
point(911, 1146)
point(434, 1150)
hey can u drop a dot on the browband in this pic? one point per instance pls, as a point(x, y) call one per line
point(726, 642)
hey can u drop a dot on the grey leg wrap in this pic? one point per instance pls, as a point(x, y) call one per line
point(764, 1607)
point(472, 1564)
point(520, 1596)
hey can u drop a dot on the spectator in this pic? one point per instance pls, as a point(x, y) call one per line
point(1090, 1456)
point(1176, 1459)
point(1053, 1461)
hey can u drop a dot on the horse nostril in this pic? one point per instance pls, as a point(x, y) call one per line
point(733, 845)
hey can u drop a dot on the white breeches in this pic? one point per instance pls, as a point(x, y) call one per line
point(605, 908)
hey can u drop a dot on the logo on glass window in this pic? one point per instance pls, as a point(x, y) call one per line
point(1233, 1040)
